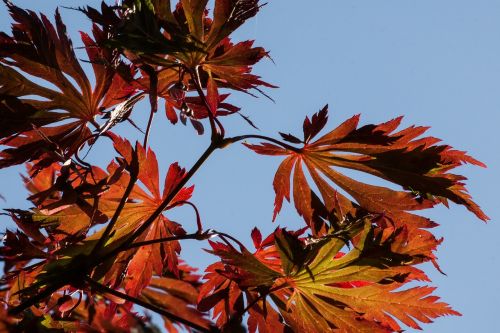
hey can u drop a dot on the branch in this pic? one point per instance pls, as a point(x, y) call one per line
point(40, 296)
point(197, 236)
point(134, 173)
point(163, 205)
point(105, 290)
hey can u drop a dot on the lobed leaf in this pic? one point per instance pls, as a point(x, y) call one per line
point(416, 164)
point(34, 112)
point(322, 289)
point(184, 48)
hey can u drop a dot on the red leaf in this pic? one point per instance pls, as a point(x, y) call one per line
point(256, 237)
point(281, 183)
point(302, 193)
point(43, 50)
point(267, 149)
point(228, 16)
point(170, 113)
point(415, 164)
point(212, 96)
point(312, 127)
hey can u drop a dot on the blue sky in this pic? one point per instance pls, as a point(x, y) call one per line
point(436, 62)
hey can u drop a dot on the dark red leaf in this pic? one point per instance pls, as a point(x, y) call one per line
point(256, 237)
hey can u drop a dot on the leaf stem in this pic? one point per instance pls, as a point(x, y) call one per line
point(148, 128)
point(153, 98)
point(197, 213)
point(216, 135)
point(234, 139)
point(106, 290)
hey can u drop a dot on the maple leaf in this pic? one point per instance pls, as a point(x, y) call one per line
point(139, 28)
point(204, 43)
point(44, 51)
point(102, 317)
point(135, 267)
point(263, 318)
point(417, 165)
point(140, 264)
point(319, 288)
point(17, 247)
point(66, 199)
point(177, 50)
point(220, 294)
point(178, 297)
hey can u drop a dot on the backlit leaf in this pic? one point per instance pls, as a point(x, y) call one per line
point(329, 290)
point(42, 50)
point(416, 164)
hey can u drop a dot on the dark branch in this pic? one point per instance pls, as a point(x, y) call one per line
point(134, 173)
point(164, 204)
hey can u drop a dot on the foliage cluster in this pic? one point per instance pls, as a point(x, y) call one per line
point(98, 244)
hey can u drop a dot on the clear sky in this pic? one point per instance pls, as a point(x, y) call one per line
point(436, 62)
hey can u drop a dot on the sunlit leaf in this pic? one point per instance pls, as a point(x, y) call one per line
point(34, 111)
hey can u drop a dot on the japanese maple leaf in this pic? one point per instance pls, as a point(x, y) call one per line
point(220, 294)
point(206, 41)
point(178, 297)
point(319, 288)
point(103, 317)
point(136, 265)
point(66, 199)
point(184, 46)
point(226, 63)
point(418, 165)
point(140, 264)
point(30, 124)
point(18, 248)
